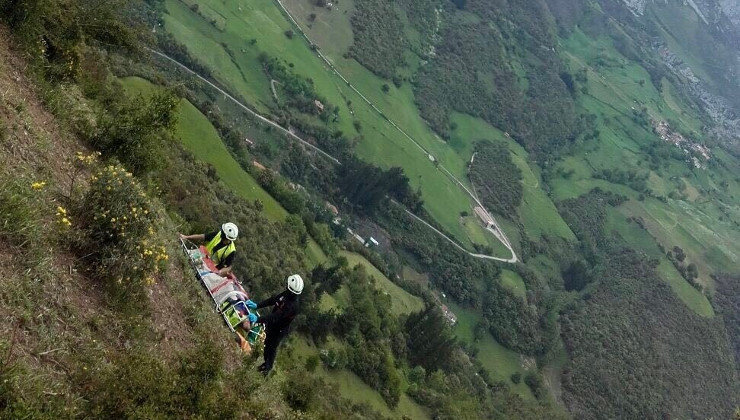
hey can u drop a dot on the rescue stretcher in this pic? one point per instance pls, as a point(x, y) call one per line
point(227, 293)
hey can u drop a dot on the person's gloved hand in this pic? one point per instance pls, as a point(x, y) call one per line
point(253, 318)
point(251, 305)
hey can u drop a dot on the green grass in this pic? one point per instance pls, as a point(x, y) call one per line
point(537, 212)
point(640, 239)
point(198, 136)
point(708, 242)
point(233, 61)
point(315, 254)
point(402, 302)
point(350, 386)
point(331, 30)
point(499, 361)
point(514, 282)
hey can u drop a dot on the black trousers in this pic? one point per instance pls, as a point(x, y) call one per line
point(272, 341)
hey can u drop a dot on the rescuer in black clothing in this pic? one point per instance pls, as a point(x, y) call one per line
point(277, 323)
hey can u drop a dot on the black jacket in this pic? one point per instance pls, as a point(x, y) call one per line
point(286, 308)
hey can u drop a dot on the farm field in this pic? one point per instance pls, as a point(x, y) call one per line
point(698, 222)
point(229, 52)
point(499, 361)
point(350, 386)
point(402, 302)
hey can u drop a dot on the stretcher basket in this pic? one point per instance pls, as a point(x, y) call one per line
point(227, 293)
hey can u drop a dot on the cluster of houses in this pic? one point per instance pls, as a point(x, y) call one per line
point(687, 145)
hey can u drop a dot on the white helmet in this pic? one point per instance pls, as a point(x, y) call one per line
point(230, 230)
point(295, 284)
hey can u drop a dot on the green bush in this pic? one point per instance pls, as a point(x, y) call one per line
point(54, 31)
point(312, 362)
point(137, 131)
point(119, 232)
point(299, 389)
point(534, 382)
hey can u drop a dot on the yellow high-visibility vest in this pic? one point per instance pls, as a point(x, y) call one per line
point(222, 253)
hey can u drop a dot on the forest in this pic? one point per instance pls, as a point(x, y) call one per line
point(632, 323)
point(472, 73)
point(496, 178)
point(379, 38)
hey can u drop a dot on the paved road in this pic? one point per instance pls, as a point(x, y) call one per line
point(246, 108)
point(496, 230)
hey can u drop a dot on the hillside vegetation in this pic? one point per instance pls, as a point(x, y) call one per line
point(602, 135)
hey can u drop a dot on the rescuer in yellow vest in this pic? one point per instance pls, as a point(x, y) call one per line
point(220, 246)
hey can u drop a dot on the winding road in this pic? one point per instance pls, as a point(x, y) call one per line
point(495, 230)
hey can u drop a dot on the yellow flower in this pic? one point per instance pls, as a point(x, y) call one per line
point(38, 185)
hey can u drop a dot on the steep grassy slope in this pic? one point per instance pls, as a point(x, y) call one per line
point(200, 137)
point(87, 351)
point(402, 301)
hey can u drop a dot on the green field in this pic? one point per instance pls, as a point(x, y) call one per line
point(514, 282)
point(232, 58)
point(350, 386)
point(402, 301)
point(638, 238)
point(537, 212)
point(199, 137)
point(499, 361)
point(699, 224)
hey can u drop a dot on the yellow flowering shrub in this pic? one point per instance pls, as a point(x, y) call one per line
point(121, 231)
point(38, 186)
point(64, 220)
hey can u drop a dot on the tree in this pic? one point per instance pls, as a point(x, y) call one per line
point(430, 341)
point(576, 276)
point(386, 88)
point(678, 252)
point(692, 271)
point(534, 382)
